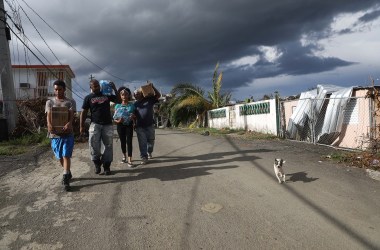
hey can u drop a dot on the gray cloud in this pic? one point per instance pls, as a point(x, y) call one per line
point(370, 16)
point(181, 41)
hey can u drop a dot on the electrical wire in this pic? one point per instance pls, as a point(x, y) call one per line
point(53, 73)
point(26, 47)
point(102, 69)
point(48, 46)
point(77, 84)
point(21, 31)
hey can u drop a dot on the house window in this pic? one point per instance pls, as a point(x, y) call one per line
point(351, 115)
point(24, 85)
point(51, 87)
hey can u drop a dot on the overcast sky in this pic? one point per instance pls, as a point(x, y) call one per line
point(263, 46)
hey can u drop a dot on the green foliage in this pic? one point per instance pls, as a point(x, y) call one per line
point(181, 115)
point(22, 144)
point(338, 157)
point(12, 149)
point(216, 98)
point(267, 97)
point(35, 138)
point(189, 104)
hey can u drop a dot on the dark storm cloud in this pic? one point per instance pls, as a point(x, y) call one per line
point(364, 19)
point(181, 41)
point(299, 60)
point(295, 60)
point(370, 16)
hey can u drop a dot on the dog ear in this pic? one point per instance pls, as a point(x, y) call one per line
point(283, 161)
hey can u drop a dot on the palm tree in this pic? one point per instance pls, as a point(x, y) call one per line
point(218, 100)
point(189, 102)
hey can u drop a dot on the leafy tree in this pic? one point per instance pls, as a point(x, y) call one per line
point(190, 104)
point(267, 97)
point(217, 99)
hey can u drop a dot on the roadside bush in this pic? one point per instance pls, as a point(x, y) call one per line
point(31, 117)
point(30, 139)
point(22, 144)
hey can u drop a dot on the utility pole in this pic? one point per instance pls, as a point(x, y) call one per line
point(6, 75)
point(91, 77)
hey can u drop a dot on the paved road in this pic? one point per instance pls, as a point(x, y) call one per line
point(199, 192)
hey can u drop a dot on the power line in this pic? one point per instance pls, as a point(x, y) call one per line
point(18, 25)
point(40, 35)
point(53, 73)
point(72, 45)
point(25, 38)
point(77, 84)
point(46, 45)
point(20, 29)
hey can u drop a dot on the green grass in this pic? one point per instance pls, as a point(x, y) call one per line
point(12, 149)
point(340, 157)
point(16, 146)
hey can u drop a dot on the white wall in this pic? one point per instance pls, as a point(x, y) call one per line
point(219, 122)
point(264, 123)
point(24, 76)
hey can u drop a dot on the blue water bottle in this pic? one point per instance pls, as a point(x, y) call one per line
point(105, 87)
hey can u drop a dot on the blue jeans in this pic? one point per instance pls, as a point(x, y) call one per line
point(101, 136)
point(146, 137)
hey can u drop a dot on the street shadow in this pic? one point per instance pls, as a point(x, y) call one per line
point(321, 210)
point(219, 155)
point(181, 170)
point(162, 173)
point(300, 176)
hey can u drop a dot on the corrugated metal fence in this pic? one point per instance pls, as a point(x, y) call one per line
point(342, 122)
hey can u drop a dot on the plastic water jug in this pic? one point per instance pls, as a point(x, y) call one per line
point(105, 87)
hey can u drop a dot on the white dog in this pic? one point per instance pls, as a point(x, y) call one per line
point(279, 169)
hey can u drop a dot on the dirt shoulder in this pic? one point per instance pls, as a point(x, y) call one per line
point(29, 159)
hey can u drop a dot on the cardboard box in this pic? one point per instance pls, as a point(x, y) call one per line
point(60, 116)
point(147, 90)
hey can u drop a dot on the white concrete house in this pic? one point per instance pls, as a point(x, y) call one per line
point(35, 81)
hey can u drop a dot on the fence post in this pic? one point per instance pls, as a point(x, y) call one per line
point(278, 113)
point(312, 122)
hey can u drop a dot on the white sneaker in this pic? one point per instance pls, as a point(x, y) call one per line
point(129, 164)
point(144, 161)
point(150, 156)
